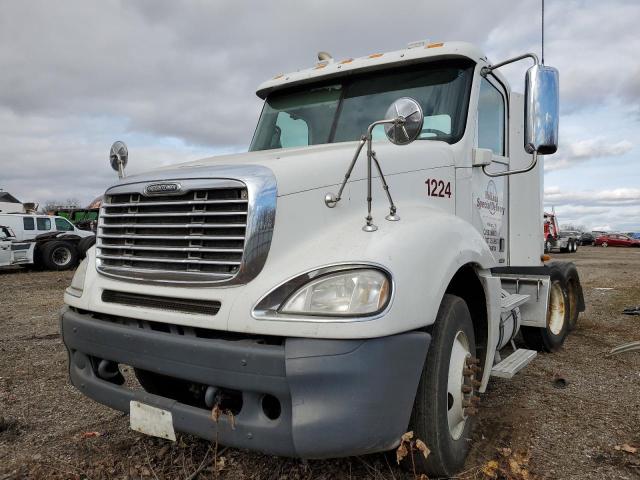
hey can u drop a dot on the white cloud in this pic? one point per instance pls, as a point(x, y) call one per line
point(584, 150)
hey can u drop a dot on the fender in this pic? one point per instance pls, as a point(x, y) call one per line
point(422, 251)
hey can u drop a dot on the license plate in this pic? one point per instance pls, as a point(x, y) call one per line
point(151, 420)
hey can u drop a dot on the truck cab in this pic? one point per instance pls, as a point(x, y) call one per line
point(13, 252)
point(360, 272)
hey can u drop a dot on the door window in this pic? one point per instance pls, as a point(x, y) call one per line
point(490, 118)
point(28, 223)
point(43, 223)
point(63, 225)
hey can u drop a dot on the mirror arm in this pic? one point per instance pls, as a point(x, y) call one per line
point(487, 70)
point(531, 166)
point(120, 167)
point(332, 200)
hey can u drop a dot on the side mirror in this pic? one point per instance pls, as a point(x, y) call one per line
point(541, 110)
point(118, 156)
point(408, 119)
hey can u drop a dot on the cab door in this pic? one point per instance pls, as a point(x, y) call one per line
point(490, 194)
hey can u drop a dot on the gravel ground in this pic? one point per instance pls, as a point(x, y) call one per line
point(528, 428)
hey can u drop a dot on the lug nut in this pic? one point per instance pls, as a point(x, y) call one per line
point(474, 399)
point(473, 361)
point(467, 389)
point(467, 372)
point(476, 383)
point(470, 411)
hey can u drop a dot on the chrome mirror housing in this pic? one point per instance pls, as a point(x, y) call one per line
point(118, 157)
point(407, 119)
point(541, 110)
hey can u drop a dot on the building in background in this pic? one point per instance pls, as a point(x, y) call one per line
point(10, 204)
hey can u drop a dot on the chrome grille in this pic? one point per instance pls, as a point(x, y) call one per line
point(194, 235)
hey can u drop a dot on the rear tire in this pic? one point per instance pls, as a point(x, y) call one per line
point(58, 255)
point(438, 417)
point(605, 244)
point(551, 337)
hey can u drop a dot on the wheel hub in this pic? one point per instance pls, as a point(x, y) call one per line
point(463, 369)
point(557, 307)
point(61, 256)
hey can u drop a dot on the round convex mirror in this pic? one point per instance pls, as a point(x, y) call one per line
point(118, 154)
point(408, 126)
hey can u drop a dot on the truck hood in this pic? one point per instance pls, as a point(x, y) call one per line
point(313, 167)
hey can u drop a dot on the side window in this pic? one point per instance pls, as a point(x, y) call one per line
point(490, 118)
point(290, 132)
point(28, 223)
point(63, 225)
point(43, 223)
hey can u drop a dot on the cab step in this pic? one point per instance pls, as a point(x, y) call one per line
point(515, 362)
point(513, 300)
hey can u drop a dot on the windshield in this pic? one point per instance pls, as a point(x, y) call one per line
point(342, 111)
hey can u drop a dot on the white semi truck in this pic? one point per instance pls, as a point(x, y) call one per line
point(362, 271)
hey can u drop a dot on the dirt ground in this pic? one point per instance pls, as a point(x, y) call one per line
point(527, 426)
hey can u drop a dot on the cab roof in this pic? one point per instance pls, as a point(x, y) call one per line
point(414, 53)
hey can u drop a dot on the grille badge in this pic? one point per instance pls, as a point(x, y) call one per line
point(162, 189)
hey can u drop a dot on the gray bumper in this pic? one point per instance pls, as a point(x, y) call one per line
point(338, 397)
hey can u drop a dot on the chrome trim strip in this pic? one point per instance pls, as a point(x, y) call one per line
point(170, 277)
point(172, 214)
point(172, 249)
point(261, 186)
point(170, 225)
point(182, 202)
point(167, 260)
point(266, 307)
point(171, 237)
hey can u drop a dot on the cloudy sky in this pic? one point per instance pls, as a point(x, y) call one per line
point(176, 80)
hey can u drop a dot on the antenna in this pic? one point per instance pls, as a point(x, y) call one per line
point(542, 32)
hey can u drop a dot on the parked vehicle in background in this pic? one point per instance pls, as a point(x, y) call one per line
point(587, 238)
point(56, 240)
point(82, 218)
point(13, 252)
point(635, 235)
point(617, 240)
point(556, 240)
point(28, 227)
point(568, 241)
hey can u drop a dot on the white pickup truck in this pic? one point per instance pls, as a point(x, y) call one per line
point(362, 271)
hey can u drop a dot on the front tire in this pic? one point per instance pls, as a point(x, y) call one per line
point(441, 410)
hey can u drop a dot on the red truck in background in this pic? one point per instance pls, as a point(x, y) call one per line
point(557, 240)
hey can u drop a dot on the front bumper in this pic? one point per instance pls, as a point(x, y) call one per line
point(338, 397)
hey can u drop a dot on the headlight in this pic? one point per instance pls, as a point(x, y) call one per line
point(77, 283)
point(345, 293)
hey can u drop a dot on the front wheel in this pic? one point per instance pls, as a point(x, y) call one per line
point(605, 244)
point(443, 411)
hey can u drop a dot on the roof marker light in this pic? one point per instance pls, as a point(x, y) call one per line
point(347, 60)
point(419, 43)
point(435, 45)
point(375, 55)
point(278, 76)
